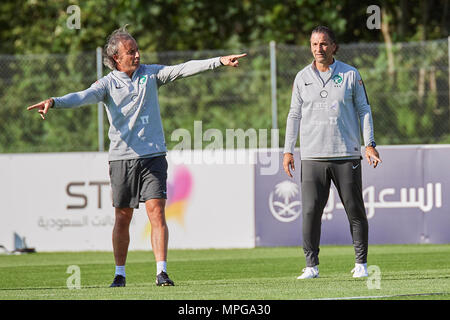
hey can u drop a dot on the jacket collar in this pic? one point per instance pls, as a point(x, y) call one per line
point(124, 77)
point(331, 66)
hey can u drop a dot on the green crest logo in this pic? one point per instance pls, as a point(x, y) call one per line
point(143, 79)
point(337, 79)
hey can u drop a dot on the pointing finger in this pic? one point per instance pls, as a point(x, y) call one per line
point(37, 105)
point(238, 56)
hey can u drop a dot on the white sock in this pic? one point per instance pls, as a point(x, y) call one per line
point(161, 266)
point(120, 270)
point(361, 264)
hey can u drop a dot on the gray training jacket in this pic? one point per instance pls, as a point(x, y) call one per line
point(329, 114)
point(132, 105)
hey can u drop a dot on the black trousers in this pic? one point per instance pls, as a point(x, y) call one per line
point(316, 177)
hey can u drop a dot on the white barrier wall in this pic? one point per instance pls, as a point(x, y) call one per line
point(216, 199)
point(62, 202)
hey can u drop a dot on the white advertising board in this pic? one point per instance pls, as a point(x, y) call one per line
point(62, 202)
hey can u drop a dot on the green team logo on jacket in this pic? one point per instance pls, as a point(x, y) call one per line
point(143, 79)
point(337, 79)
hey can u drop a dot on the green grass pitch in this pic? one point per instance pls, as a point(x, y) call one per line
point(407, 272)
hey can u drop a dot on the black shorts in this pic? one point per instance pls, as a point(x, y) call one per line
point(138, 180)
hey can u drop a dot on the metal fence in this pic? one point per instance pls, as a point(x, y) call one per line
point(407, 85)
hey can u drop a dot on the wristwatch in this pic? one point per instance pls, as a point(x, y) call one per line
point(372, 144)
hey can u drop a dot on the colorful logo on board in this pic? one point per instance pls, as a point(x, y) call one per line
point(178, 192)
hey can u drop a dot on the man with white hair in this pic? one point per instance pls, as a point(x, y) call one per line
point(137, 153)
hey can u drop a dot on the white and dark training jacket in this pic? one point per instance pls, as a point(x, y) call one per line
point(329, 114)
point(132, 105)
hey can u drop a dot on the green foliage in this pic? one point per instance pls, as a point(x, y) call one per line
point(221, 99)
point(30, 80)
point(409, 106)
point(36, 26)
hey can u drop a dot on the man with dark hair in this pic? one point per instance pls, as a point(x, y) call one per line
point(137, 153)
point(329, 108)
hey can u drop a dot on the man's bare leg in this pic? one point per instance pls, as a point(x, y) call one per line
point(121, 235)
point(159, 238)
point(120, 241)
point(160, 233)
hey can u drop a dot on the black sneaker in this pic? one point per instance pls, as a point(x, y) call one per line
point(119, 281)
point(163, 280)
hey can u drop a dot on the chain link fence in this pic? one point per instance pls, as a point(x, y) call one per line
point(407, 85)
point(26, 80)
